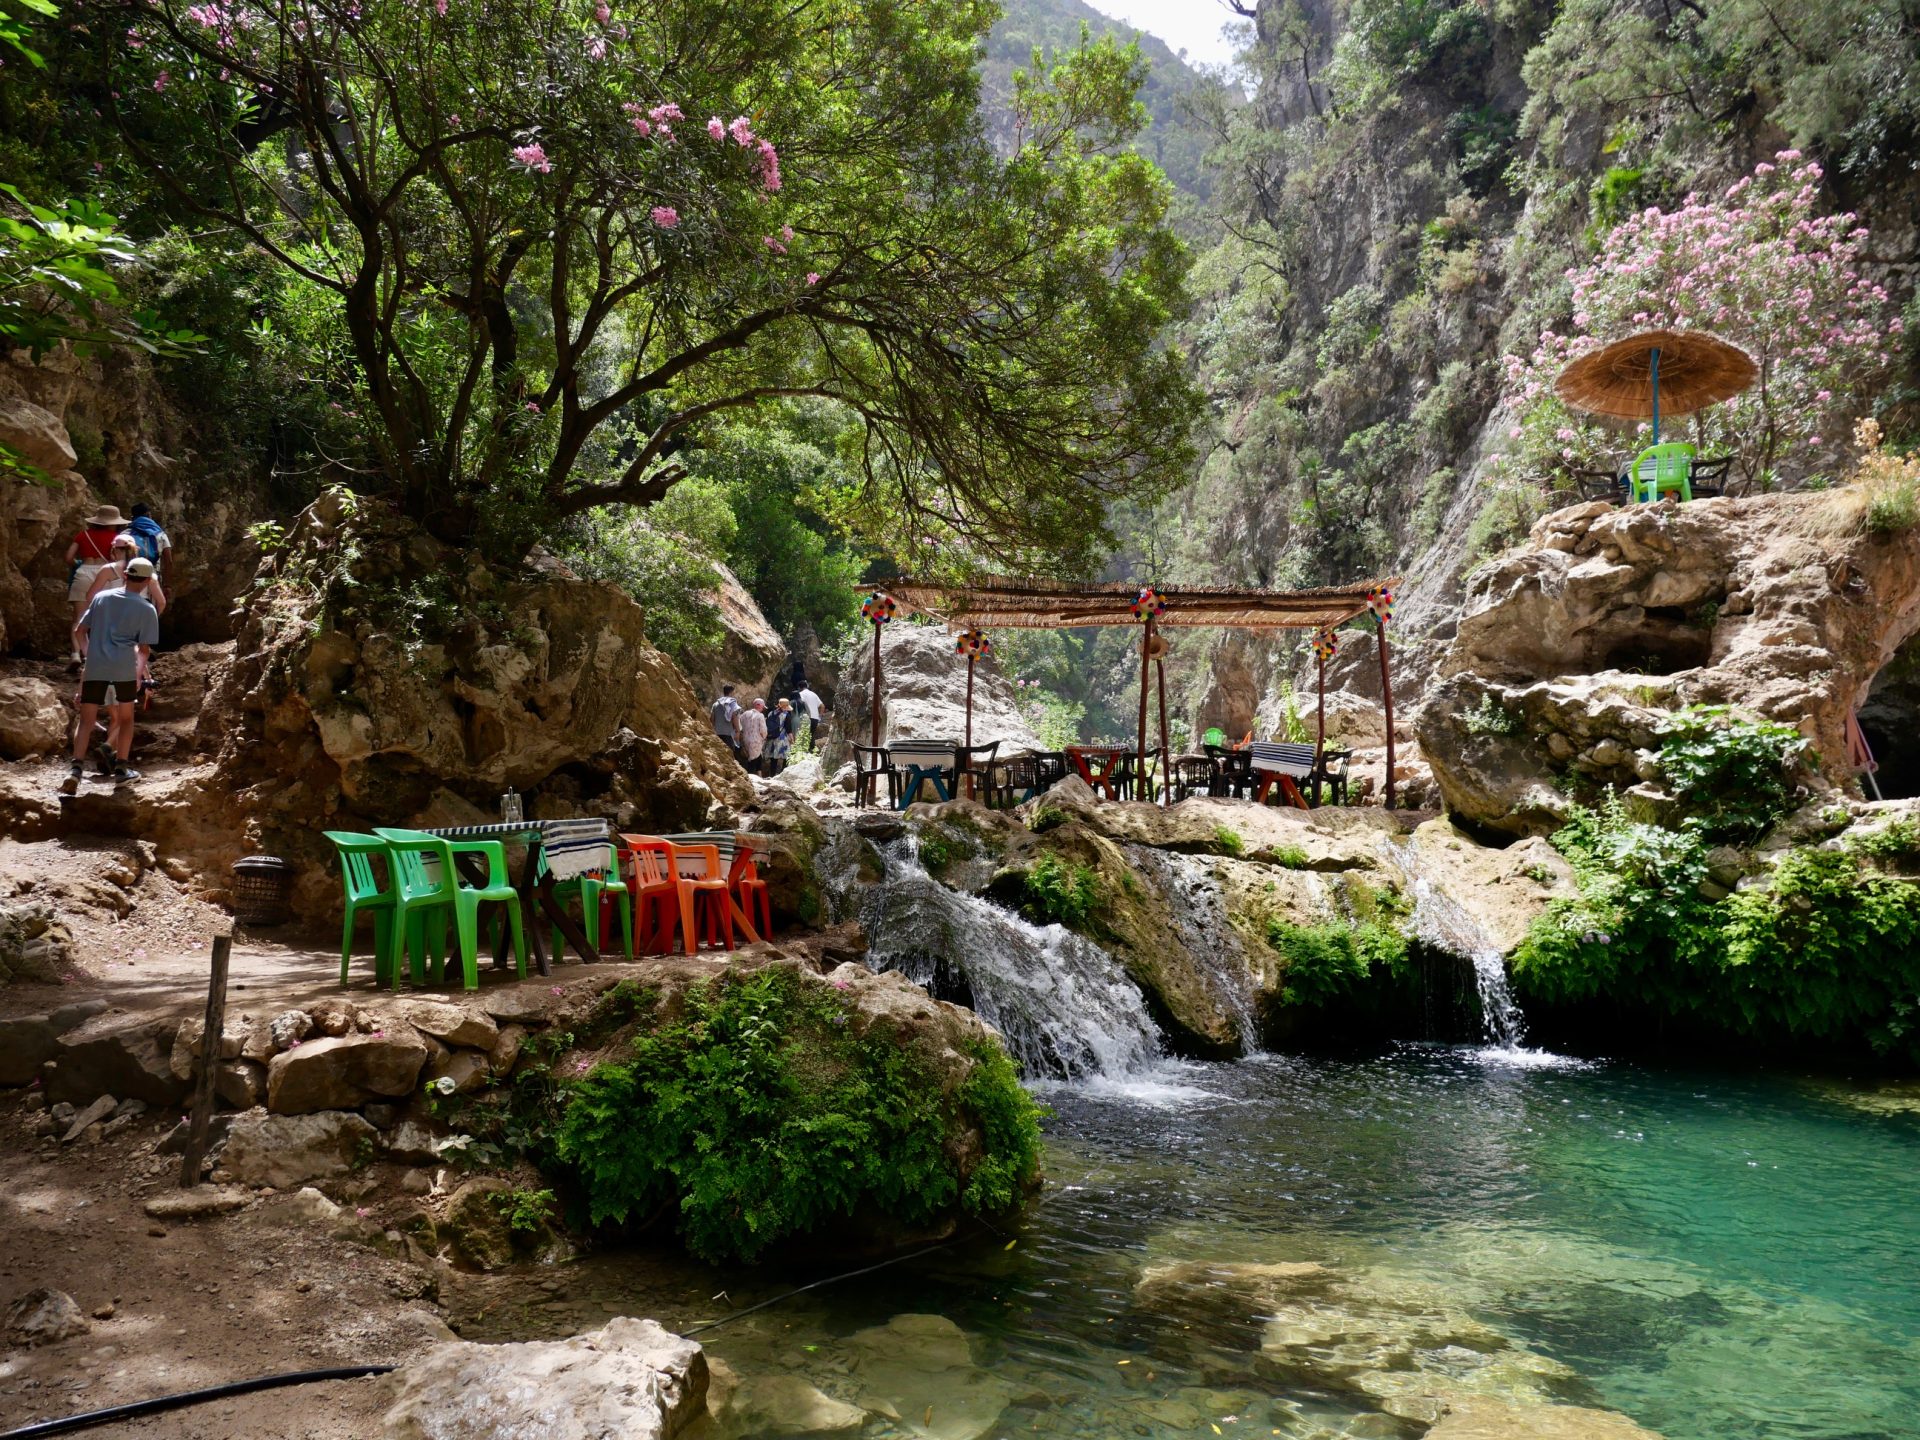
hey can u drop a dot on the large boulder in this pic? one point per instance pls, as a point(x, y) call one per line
point(1572, 649)
point(33, 719)
point(36, 435)
point(631, 1379)
point(344, 1072)
point(923, 696)
point(384, 678)
point(288, 1150)
point(751, 654)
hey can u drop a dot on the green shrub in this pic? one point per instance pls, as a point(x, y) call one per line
point(1291, 857)
point(1047, 817)
point(526, 1212)
point(1333, 961)
point(1897, 842)
point(756, 1116)
point(1055, 892)
point(1490, 717)
point(1227, 841)
point(1733, 776)
point(1825, 952)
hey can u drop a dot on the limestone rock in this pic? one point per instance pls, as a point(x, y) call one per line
point(922, 1366)
point(25, 1044)
point(1609, 620)
point(43, 1316)
point(777, 1405)
point(33, 721)
point(289, 1026)
point(287, 1150)
point(924, 696)
point(188, 1045)
point(344, 1072)
point(1478, 1419)
point(241, 1083)
point(129, 1058)
point(475, 1228)
point(36, 435)
point(411, 1143)
point(96, 1112)
point(468, 1070)
point(454, 1024)
point(200, 1201)
point(35, 945)
point(631, 1379)
point(751, 653)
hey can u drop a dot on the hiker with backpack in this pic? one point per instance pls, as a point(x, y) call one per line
point(113, 574)
point(117, 631)
point(152, 543)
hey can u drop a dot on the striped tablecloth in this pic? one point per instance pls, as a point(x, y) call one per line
point(1282, 758)
point(572, 847)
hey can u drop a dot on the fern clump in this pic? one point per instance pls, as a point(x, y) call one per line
point(764, 1112)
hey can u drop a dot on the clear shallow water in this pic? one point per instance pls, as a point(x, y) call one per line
point(1719, 1257)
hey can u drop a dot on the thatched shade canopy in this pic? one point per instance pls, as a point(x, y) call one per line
point(999, 603)
point(1696, 370)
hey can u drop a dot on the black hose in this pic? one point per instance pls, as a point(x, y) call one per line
point(185, 1398)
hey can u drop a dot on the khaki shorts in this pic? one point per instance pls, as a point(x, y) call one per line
point(83, 579)
point(109, 692)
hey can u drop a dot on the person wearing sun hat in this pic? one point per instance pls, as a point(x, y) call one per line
point(118, 633)
point(90, 552)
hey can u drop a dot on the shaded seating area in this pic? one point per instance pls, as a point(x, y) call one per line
point(939, 769)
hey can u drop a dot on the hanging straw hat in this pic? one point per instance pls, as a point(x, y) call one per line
point(108, 517)
point(1696, 370)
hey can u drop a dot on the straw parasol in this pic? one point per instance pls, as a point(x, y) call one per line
point(1680, 371)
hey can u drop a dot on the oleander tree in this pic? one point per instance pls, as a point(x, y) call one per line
point(1760, 266)
point(562, 238)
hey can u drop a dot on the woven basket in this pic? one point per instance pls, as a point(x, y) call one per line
point(262, 888)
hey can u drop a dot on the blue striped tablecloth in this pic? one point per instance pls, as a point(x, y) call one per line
point(1282, 758)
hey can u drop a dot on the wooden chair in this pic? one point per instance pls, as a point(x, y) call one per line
point(870, 764)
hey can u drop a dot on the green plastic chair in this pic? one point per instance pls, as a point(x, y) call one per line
point(588, 889)
point(1660, 468)
point(1214, 736)
point(420, 895)
point(363, 892)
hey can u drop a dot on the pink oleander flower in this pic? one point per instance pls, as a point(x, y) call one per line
point(556, 990)
point(160, 80)
point(716, 129)
point(661, 114)
point(665, 216)
point(741, 130)
point(440, 7)
point(532, 158)
point(597, 48)
point(772, 244)
point(602, 13)
point(813, 277)
point(532, 408)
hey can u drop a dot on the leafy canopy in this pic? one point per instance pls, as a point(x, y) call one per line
point(562, 240)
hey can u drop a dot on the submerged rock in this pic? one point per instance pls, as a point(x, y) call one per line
point(1496, 1420)
point(920, 1369)
point(773, 1405)
point(631, 1378)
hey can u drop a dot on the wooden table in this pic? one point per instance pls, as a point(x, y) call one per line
point(536, 888)
point(1096, 764)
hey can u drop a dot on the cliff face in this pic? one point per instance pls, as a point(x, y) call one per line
point(1399, 207)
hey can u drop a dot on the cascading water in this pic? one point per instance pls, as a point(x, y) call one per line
point(1445, 924)
point(1064, 1006)
point(1198, 910)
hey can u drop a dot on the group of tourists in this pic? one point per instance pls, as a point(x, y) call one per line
point(115, 582)
point(762, 738)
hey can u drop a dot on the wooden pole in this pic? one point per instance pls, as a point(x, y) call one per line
point(1166, 749)
point(875, 742)
point(1146, 667)
point(200, 1118)
point(1320, 733)
point(969, 741)
point(1386, 691)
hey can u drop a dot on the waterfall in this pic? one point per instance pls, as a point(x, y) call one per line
point(1198, 909)
point(1442, 922)
point(1064, 1006)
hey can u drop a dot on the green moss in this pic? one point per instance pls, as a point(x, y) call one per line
point(1058, 892)
point(1290, 857)
point(1047, 817)
point(1227, 841)
point(757, 1115)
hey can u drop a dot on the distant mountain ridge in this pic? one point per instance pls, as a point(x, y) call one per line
point(1173, 141)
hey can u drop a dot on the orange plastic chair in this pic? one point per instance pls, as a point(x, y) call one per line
point(667, 893)
point(703, 879)
point(750, 892)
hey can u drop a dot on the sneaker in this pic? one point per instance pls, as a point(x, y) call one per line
point(71, 784)
point(122, 775)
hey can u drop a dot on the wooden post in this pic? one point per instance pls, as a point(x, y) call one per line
point(1166, 748)
point(1146, 667)
point(200, 1118)
point(1320, 732)
point(969, 740)
point(1386, 692)
point(875, 742)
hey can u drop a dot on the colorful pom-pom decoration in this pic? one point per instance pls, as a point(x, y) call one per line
point(1148, 605)
point(879, 608)
point(1326, 645)
point(974, 645)
point(1380, 602)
